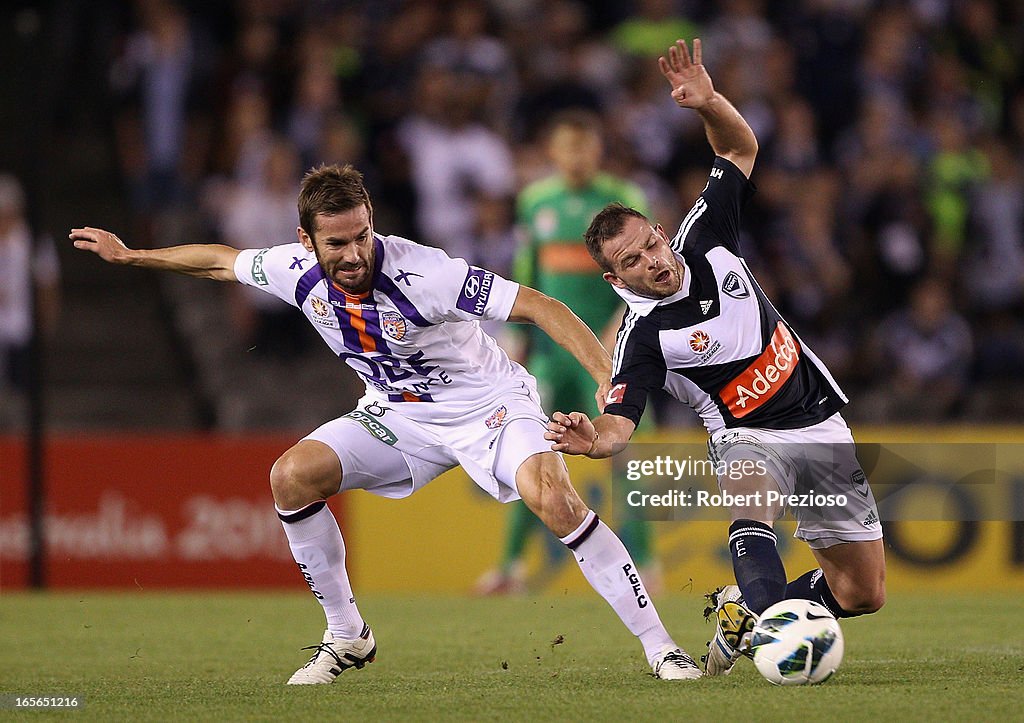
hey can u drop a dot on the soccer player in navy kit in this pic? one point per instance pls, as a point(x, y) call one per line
point(699, 326)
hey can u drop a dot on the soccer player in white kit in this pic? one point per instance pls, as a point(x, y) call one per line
point(439, 393)
point(699, 326)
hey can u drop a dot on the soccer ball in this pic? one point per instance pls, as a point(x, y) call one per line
point(797, 642)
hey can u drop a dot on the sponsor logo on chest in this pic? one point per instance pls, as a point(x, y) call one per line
point(765, 376)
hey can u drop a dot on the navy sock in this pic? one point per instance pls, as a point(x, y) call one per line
point(756, 564)
point(812, 585)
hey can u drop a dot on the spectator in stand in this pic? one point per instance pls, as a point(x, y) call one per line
point(29, 271)
point(259, 215)
point(452, 155)
point(479, 59)
point(160, 79)
point(927, 352)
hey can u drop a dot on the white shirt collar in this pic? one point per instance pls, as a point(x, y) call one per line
point(643, 305)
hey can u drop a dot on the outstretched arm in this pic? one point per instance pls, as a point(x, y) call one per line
point(728, 133)
point(207, 261)
point(558, 322)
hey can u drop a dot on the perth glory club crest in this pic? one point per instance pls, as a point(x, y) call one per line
point(393, 324)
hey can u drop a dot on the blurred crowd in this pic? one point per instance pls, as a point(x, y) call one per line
point(889, 221)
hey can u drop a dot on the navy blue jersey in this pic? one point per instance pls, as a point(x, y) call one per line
point(718, 344)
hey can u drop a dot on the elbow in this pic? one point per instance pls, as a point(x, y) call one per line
point(747, 149)
point(529, 306)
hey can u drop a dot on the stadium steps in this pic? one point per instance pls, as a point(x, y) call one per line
point(249, 391)
point(114, 362)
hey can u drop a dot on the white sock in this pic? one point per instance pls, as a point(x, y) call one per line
point(318, 548)
point(609, 569)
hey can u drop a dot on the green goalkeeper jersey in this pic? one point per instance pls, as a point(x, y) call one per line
point(554, 260)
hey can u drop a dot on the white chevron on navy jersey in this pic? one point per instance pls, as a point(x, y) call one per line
point(620, 339)
point(684, 228)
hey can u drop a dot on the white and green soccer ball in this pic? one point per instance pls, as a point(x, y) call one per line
point(797, 642)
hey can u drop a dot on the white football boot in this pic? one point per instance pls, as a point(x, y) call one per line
point(334, 656)
point(675, 664)
point(733, 624)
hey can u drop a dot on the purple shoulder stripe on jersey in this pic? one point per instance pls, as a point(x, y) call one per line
point(387, 287)
point(410, 312)
point(378, 256)
point(306, 283)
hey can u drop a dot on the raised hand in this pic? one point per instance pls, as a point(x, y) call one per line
point(102, 243)
point(691, 84)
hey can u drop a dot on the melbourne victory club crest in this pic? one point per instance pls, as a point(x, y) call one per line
point(497, 417)
point(734, 286)
point(393, 324)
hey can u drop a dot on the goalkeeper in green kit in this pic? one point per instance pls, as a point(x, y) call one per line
point(553, 213)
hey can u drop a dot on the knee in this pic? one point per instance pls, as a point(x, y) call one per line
point(873, 599)
point(295, 483)
point(862, 598)
point(545, 488)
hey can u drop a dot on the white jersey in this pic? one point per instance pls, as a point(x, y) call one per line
point(415, 337)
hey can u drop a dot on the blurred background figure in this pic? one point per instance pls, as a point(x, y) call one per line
point(553, 213)
point(452, 154)
point(259, 215)
point(160, 81)
point(928, 348)
point(29, 273)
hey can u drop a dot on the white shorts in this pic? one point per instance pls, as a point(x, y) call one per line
point(383, 451)
point(816, 460)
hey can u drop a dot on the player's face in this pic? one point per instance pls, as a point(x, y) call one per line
point(576, 152)
point(642, 261)
point(343, 244)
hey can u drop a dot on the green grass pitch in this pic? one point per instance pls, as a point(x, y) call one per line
point(149, 656)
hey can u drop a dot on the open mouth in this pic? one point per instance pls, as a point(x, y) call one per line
point(663, 276)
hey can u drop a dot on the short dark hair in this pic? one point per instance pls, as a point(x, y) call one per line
point(331, 190)
point(607, 224)
point(577, 118)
